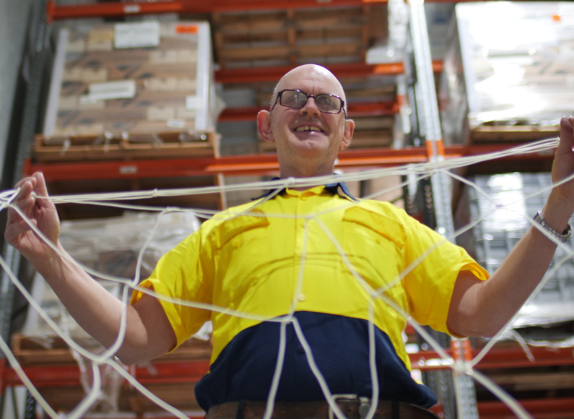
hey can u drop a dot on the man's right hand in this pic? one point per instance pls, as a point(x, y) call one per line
point(149, 332)
point(42, 212)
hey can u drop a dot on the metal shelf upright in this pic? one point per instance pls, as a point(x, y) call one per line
point(35, 58)
point(424, 90)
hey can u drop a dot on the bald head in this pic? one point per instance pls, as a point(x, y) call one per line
point(307, 138)
point(292, 79)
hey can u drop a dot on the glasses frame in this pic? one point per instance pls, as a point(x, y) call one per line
point(280, 96)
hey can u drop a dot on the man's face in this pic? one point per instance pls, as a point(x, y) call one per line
point(307, 133)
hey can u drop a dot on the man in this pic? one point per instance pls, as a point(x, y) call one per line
point(248, 259)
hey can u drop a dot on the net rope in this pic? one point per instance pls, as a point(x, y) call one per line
point(121, 200)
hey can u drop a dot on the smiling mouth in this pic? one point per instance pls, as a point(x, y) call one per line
point(307, 128)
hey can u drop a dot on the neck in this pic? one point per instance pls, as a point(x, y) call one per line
point(303, 172)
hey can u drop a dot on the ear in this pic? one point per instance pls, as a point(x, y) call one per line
point(264, 126)
point(348, 134)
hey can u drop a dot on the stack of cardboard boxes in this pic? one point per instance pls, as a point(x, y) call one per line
point(130, 90)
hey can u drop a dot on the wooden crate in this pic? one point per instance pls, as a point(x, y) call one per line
point(64, 398)
point(107, 146)
point(298, 35)
point(181, 396)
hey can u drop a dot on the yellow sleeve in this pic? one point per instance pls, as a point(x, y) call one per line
point(183, 274)
point(435, 264)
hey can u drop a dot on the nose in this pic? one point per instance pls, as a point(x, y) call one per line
point(310, 108)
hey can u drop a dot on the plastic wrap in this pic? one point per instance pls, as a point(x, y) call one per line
point(497, 234)
point(109, 246)
point(511, 63)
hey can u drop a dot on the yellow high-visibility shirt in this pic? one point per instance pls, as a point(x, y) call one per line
point(251, 258)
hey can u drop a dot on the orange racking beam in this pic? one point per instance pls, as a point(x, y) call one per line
point(230, 165)
point(69, 374)
point(192, 371)
point(273, 74)
point(248, 164)
point(194, 6)
point(3, 373)
point(354, 110)
point(551, 408)
point(188, 6)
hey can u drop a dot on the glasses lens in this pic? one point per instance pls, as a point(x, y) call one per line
point(293, 99)
point(328, 103)
point(297, 99)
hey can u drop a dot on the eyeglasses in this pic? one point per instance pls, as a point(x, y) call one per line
point(296, 99)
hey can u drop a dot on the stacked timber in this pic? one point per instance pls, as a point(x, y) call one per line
point(296, 36)
point(130, 90)
point(508, 71)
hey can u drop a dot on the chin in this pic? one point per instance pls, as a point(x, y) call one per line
point(311, 148)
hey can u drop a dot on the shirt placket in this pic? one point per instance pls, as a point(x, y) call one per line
point(304, 208)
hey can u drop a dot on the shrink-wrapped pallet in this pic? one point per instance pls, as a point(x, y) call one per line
point(505, 205)
point(508, 72)
point(130, 90)
point(109, 247)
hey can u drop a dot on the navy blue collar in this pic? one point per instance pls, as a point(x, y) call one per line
point(330, 187)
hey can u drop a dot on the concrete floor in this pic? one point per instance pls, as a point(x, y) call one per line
point(14, 15)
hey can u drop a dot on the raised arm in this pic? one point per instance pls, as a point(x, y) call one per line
point(482, 308)
point(148, 334)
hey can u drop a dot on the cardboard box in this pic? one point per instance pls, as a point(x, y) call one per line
point(130, 83)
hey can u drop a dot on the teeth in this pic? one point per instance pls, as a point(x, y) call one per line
point(307, 128)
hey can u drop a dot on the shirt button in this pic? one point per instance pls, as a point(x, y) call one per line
point(302, 297)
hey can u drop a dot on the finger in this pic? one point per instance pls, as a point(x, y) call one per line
point(42, 190)
point(31, 180)
point(26, 187)
point(25, 206)
point(566, 135)
point(24, 200)
point(15, 230)
point(24, 197)
point(40, 187)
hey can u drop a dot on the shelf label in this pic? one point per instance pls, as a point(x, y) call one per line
point(176, 123)
point(128, 170)
point(124, 89)
point(136, 35)
point(132, 8)
point(185, 29)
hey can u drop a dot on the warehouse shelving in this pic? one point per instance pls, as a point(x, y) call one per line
point(257, 163)
point(191, 6)
point(191, 370)
point(267, 164)
point(187, 372)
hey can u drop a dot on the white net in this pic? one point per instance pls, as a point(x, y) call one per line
point(121, 200)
